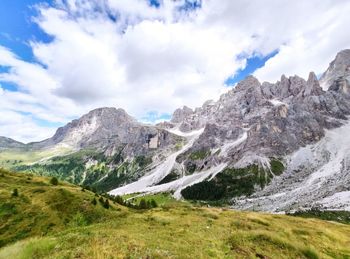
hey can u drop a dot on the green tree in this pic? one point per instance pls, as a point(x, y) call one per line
point(119, 200)
point(15, 193)
point(94, 202)
point(143, 204)
point(54, 181)
point(154, 203)
point(106, 204)
point(149, 205)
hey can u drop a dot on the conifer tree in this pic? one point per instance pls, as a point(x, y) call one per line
point(54, 181)
point(15, 192)
point(106, 204)
point(154, 204)
point(143, 204)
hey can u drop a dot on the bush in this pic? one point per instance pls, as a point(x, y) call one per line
point(106, 204)
point(78, 220)
point(143, 204)
point(119, 200)
point(54, 181)
point(15, 193)
point(94, 202)
point(154, 204)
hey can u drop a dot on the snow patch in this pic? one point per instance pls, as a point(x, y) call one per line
point(228, 146)
point(178, 185)
point(162, 170)
point(251, 159)
point(276, 102)
point(313, 172)
point(339, 200)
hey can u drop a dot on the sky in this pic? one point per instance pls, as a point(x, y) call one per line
point(60, 59)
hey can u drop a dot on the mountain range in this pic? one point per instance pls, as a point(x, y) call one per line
point(262, 146)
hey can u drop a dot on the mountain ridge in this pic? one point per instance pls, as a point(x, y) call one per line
point(253, 127)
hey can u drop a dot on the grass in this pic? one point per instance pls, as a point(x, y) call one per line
point(42, 208)
point(173, 230)
point(12, 158)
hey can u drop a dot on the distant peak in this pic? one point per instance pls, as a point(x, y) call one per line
point(107, 109)
point(312, 76)
point(345, 53)
point(249, 81)
point(339, 69)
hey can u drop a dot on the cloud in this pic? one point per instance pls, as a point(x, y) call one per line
point(314, 46)
point(149, 60)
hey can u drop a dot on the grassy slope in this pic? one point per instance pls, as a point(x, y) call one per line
point(42, 208)
point(174, 230)
point(13, 157)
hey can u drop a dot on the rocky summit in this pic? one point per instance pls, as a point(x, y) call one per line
point(262, 146)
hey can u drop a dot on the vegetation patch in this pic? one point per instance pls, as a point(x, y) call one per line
point(143, 161)
point(332, 215)
point(103, 173)
point(199, 155)
point(277, 166)
point(170, 177)
point(231, 182)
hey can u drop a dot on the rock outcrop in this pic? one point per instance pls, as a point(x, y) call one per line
point(338, 70)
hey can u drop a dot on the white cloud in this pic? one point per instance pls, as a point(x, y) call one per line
point(22, 127)
point(157, 59)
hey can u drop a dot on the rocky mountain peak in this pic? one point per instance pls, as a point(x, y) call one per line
point(312, 86)
point(338, 70)
point(180, 113)
point(108, 115)
point(106, 118)
point(250, 82)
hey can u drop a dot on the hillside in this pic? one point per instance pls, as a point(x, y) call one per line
point(59, 221)
point(42, 208)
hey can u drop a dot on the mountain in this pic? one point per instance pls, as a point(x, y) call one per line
point(262, 146)
point(250, 137)
point(6, 143)
point(107, 129)
point(105, 147)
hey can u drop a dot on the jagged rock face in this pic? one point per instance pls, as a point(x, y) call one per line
point(338, 71)
point(279, 118)
point(109, 130)
point(180, 114)
point(7, 143)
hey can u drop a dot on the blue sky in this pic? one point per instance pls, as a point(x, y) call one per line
point(17, 29)
point(253, 63)
point(152, 57)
